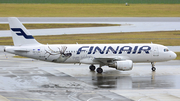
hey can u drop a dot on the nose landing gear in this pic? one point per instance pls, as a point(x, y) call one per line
point(153, 68)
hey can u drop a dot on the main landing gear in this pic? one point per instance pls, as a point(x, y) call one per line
point(98, 70)
point(153, 68)
point(92, 67)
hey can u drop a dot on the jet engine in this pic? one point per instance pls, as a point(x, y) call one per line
point(124, 65)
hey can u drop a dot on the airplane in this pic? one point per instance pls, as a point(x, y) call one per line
point(118, 56)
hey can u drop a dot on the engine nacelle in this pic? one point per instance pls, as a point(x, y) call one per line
point(122, 65)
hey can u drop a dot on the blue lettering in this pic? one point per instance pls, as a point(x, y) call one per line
point(112, 49)
point(100, 51)
point(128, 49)
point(145, 49)
point(125, 49)
point(80, 49)
point(135, 49)
point(90, 49)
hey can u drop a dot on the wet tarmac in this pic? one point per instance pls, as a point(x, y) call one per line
point(141, 77)
point(32, 80)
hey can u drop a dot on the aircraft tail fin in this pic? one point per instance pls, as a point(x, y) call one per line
point(21, 36)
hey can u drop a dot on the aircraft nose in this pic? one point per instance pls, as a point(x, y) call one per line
point(173, 55)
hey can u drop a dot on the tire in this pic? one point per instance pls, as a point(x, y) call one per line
point(92, 68)
point(153, 69)
point(99, 70)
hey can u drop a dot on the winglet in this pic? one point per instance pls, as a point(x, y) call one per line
point(21, 36)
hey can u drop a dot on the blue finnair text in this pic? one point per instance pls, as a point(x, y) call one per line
point(117, 50)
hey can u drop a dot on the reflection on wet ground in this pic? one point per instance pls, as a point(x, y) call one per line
point(129, 82)
point(141, 77)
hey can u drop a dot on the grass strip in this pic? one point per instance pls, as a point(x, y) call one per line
point(44, 26)
point(17, 56)
point(178, 55)
point(94, 1)
point(89, 10)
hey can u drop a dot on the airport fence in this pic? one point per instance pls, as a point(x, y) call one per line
point(95, 1)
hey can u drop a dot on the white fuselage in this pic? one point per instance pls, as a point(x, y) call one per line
point(85, 53)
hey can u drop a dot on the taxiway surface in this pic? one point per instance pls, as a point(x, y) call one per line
point(24, 79)
point(128, 24)
point(91, 19)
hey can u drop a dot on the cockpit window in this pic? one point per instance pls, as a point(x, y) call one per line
point(166, 50)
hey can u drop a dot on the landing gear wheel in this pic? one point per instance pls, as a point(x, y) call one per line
point(99, 70)
point(92, 67)
point(153, 69)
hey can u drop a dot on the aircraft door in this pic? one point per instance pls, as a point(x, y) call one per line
point(155, 51)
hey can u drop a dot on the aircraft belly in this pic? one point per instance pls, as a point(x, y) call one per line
point(140, 58)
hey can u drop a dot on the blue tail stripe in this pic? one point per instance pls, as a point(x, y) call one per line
point(22, 33)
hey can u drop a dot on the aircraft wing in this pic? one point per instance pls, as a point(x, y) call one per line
point(103, 59)
point(109, 59)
